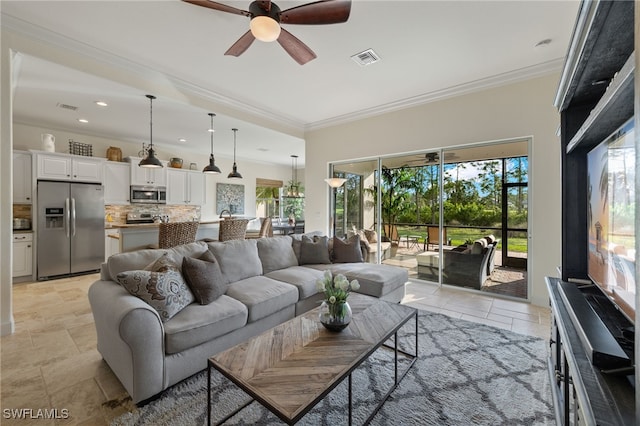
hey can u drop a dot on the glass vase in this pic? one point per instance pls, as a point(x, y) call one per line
point(335, 316)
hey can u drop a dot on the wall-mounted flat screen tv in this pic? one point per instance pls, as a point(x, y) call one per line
point(611, 217)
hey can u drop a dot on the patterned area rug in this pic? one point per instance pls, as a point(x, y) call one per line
point(466, 374)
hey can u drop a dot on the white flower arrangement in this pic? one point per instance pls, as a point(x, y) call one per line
point(336, 290)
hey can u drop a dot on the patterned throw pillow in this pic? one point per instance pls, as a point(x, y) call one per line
point(347, 251)
point(204, 277)
point(166, 292)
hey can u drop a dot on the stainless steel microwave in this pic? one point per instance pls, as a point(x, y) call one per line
point(148, 194)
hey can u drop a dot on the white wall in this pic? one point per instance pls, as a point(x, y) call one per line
point(517, 110)
point(28, 137)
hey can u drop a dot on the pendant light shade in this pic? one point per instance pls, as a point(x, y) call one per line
point(211, 168)
point(234, 173)
point(150, 161)
point(293, 190)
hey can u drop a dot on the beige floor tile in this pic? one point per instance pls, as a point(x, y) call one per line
point(531, 317)
point(82, 400)
point(500, 318)
point(467, 310)
point(486, 321)
point(72, 370)
point(525, 327)
point(84, 336)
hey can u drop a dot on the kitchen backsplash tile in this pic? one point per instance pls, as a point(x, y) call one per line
point(117, 214)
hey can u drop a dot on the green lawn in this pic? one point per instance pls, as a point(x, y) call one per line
point(458, 236)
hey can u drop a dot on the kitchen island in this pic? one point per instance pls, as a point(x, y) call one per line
point(140, 236)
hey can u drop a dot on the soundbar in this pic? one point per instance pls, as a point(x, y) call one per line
point(601, 347)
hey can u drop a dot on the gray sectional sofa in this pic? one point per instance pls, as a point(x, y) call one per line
point(265, 284)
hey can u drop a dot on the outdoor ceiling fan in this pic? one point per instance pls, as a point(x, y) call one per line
point(428, 159)
point(266, 18)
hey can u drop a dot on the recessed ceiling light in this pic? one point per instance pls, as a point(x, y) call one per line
point(182, 140)
point(83, 120)
point(102, 103)
point(211, 130)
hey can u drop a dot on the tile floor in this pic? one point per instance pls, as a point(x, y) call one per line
point(51, 362)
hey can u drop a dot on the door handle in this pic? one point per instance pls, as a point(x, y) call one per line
point(73, 216)
point(67, 215)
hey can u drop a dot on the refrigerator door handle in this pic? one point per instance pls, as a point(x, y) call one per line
point(73, 217)
point(67, 217)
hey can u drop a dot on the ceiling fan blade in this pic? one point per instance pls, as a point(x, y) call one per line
point(243, 43)
point(317, 13)
point(299, 51)
point(218, 6)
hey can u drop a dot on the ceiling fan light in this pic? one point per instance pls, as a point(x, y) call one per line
point(265, 28)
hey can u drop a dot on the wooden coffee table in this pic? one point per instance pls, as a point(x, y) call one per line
point(293, 366)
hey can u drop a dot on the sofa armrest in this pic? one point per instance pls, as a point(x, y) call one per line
point(130, 338)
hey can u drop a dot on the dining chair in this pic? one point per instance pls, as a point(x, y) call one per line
point(233, 229)
point(173, 234)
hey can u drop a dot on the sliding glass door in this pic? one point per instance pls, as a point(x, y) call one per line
point(455, 216)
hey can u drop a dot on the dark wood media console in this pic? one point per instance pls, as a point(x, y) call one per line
point(582, 393)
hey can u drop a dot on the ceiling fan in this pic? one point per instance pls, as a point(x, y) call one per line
point(266, 18)
point(430, 158)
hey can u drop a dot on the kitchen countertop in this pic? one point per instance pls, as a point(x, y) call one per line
point(151, 225)
point(23, 231)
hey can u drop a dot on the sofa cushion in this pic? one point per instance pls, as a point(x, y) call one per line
point(198, 324)
point(140, 259)
point(478, 246)
point(296, 241)
point(348, 251)
point(314, 251)
point(263, 296)
point(166, 292)
point(166, 262)
point(276, 253)
point(204, 277)
point(300, 276)
point(375, 279)
point(238, 259)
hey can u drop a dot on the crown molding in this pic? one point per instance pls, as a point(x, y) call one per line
point(35, 33)
point(450, 92)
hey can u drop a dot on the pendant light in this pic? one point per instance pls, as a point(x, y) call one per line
point(150, 161)
point(293, 190)
point(211, 168)
point(234, 173)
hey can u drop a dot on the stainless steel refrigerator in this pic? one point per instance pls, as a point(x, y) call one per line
point(70, 228)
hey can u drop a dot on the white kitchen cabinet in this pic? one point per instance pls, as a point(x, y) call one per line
point(117, 180)
point(185, 187)
point(22, 254)
point(145, 176)
point(22, 182)
point(69, 167)
point(111, 243)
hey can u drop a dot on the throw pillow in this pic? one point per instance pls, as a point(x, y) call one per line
point(314, 251)
point(347, 251)
point(166, 292)
point(204, 278)
point(166, 262)
point(372, 236)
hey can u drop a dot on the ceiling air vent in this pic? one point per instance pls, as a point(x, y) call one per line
point(366, 57)
point(69, 107)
